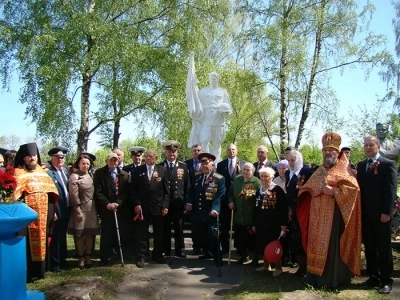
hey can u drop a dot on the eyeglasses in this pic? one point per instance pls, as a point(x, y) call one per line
point(60, 157)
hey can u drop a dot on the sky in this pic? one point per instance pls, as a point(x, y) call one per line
point(351, 88)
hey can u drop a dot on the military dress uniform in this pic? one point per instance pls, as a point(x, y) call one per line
point(178, 180)
point(204, 196)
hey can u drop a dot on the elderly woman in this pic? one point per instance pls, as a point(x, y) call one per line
point(242, 195)
point(295, 178)
point(83, 223)
point(270, 215)
point(282, 167)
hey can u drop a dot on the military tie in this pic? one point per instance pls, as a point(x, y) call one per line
point(171, 166)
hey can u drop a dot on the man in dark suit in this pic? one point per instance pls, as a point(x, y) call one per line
point(262, 155)
point(229, 168)
point(377, 178)
point(59, 174)
point(178, 176)
point(150, 196)
point(128, 211)
point(110, 193)
point(136, 155)
point(193, 166)
point(204, 202)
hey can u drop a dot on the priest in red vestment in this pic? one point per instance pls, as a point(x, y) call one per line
point(329, 214)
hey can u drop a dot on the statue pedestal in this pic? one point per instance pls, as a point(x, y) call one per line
point(14, 217)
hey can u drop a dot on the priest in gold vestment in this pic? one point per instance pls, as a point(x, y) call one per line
point(329, 214)
point(37, 190)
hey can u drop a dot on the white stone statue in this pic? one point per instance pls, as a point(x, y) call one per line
point(208, 109)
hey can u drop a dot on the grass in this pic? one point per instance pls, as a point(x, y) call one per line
point(110, 276)
point(264, 286)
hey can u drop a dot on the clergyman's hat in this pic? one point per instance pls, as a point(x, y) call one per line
point(331, 140)
point(206, 157)
point(26, 150)
point(58, 151)
point(171, 145)
point(136, 150)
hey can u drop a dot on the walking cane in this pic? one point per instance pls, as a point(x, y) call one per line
point(119, 238)
point(230, 239)
point(218, 248)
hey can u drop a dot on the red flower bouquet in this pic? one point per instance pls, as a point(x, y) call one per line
point(8, 183)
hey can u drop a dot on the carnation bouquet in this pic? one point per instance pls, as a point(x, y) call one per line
point(8, 184)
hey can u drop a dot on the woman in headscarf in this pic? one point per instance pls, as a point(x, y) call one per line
point(242, 195)
point(270, 215)
point(282, 167)
point(295, 178)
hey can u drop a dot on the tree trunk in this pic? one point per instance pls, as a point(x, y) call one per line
point(83, 133)
point(310, 86)
point(116, 133)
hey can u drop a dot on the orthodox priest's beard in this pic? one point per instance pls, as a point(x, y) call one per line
point(31, 166)
point(329, 161)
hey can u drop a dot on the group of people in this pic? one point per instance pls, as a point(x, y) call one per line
point(322, 212)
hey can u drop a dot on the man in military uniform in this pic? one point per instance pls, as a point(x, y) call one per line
point(136, 155)
point(179, 187)
point(59, 173)
point(127, 212)
point(204, 203)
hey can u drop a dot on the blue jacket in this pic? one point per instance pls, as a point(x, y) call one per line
point(207, 197)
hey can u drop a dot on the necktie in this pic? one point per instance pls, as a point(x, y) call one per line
point(171, 166)
point(260, 165)
point(149, 172)
point(369, 162)
point(113, 183)
point(65, 184)
point(204, 178)
point(196, 165)
point(231, 168)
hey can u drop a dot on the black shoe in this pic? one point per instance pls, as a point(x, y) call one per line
point(243, 260)
point(140, 263)
point(300, 273)
point(180, 254)
point(196, 251)
point(104, 263)
point(205, 256)
point(385, 289)
point(168, 253)
point(254, 262)
point(160, 259)
point(371, 282)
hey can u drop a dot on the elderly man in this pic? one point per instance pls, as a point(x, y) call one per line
point(229, 168)
point(110, 192)
point(329, 214)
point(204, 203)
point(347, 151)
point(178, 176)
point(120, 153)
point(150, 197)
point(128, 225)
point(37, 190)
point(58, 172)
point(262, 155)
point(193, 166)
point(377, 177)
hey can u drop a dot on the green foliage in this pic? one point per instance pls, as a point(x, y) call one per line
point(312, 154)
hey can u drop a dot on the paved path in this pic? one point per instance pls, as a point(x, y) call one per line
point(184, 279)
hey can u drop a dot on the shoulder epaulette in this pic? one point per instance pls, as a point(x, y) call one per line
point(216, 175)
point(181, 162)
